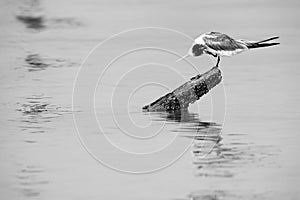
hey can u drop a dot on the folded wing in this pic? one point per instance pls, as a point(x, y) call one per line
point(222, 42)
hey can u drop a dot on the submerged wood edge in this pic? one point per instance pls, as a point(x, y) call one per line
point(187, 93)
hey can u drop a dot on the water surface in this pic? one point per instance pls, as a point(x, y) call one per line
point(253, 156)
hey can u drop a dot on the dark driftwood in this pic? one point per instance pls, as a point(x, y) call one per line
point(187, 93)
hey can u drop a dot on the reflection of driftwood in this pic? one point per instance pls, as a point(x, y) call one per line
point(187, 93)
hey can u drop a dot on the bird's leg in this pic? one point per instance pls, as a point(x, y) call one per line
point(214, 55)
point(218, 61)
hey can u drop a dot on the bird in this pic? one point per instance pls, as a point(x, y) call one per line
point(218, 44)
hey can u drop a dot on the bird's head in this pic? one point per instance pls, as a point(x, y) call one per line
point(195, 50)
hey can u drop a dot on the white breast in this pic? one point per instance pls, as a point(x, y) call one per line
point(226, 52)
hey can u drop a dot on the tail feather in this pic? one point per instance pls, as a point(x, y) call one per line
point(269, 39)
point(259, 45)
point(262, 43)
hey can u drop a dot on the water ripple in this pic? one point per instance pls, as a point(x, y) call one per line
point(37, 112)
point(30, 181)
point(36, 62)
point(32, 15)
point(220, 195)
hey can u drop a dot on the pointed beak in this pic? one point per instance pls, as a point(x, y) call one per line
point(182, 58)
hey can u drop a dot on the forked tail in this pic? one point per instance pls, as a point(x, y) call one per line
point(252, 45)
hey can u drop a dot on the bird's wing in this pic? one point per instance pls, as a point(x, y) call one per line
point(222, 42)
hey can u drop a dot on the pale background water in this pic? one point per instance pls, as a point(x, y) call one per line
point(255, 157)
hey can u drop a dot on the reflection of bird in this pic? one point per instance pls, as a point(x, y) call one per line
point(218, 44)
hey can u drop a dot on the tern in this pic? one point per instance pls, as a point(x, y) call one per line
point(218, 44)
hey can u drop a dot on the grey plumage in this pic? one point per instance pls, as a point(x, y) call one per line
point(222, 42)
